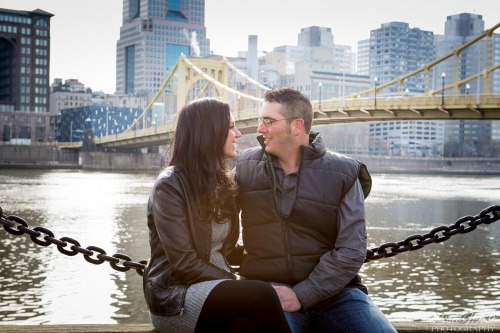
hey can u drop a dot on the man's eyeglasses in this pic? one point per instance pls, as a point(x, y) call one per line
point(268, 122)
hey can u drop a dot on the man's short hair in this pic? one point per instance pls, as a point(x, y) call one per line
point(295, 104)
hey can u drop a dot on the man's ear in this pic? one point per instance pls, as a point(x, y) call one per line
point(298, 126)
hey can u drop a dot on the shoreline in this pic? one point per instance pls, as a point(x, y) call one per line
point(31, 157)
point(372, 170)
point(33, 166)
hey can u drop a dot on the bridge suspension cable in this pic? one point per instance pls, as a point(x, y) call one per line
point(221, 85)
point(427, 67)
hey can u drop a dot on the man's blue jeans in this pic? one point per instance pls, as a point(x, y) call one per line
point(349, 311)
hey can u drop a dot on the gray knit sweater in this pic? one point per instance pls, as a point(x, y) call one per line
point(196, 293)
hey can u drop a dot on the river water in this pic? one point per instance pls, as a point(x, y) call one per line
point(39, 285)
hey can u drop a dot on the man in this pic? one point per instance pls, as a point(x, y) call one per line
point(303, 221)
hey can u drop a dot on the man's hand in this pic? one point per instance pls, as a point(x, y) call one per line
point(288, 298)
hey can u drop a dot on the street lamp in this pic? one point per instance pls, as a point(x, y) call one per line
point(107, 123)
point(339, 87)
point(155, 121)
point(443, 75)
point(88, 135)
point(239, 107)
point(320, 85)
point(467, 87)
point(375, 80)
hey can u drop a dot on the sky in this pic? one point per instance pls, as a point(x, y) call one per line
point(84, 32)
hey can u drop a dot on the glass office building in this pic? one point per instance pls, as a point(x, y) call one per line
point(152, 36)
point(101, 120)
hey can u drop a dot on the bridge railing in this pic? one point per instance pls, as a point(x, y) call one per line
point(144, 132)
point(417, 102)
point(70, 145)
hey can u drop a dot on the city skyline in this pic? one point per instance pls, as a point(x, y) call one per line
point(83, 39)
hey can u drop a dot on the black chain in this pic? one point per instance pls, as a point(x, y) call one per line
point(462, 226)
point(123, 263)
point(68, 246)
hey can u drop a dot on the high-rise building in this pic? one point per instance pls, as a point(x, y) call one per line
point(396, 50)
point(24, 75)
point(344, 59)
point(420, 138)
point(321, 37)
point(316, 37)
point(458, 30)
point(363, 59)
point(316, 59)
point(70, 94)
point(253, 57)
point(152, 36)
point(467, 138)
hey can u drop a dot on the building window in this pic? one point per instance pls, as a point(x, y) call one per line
point(129, 69)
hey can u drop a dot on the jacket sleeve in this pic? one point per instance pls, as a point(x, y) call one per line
point(171, 214)
point(339, 266)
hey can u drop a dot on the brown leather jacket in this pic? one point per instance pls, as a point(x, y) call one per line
point(180, 241)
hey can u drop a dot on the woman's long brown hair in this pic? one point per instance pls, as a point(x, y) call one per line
point(198, 150)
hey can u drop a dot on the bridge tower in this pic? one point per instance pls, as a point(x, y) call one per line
point(199, 77)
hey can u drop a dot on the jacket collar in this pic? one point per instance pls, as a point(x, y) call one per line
point(316, 147)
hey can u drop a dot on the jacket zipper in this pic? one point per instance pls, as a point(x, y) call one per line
point(183, 301)
point(289, 257)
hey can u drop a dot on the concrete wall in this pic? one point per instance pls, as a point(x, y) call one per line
point(397, 164)
point(37, 156)
point(121, 161)
point(44, 156)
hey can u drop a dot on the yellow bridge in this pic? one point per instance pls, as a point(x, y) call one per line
point(199, 77)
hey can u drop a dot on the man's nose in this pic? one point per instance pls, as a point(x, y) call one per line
point(261, 128)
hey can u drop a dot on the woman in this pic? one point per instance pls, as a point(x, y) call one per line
point(188, 283)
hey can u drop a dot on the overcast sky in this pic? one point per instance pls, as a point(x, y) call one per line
point(84, 32)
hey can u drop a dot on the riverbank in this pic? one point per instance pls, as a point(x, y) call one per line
point(431, 165)
point(52, 157)
point(38, 166)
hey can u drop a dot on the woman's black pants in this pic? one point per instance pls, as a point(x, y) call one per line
point(242, 306)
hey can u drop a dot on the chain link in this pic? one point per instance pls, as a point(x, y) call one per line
point(69, 246)
point(121, 262)
point(440, 234)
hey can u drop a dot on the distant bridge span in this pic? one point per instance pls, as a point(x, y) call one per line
point(199, 77)
point(409, 108)
point(342, 111)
